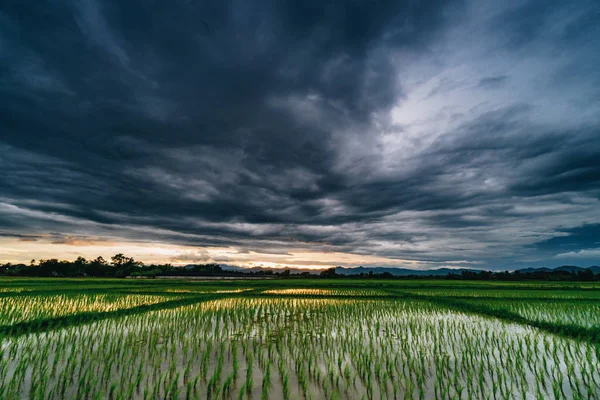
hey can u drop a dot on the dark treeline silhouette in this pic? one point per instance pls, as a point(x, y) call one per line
point(582, 274)
point(121, 266)
point(554, 275)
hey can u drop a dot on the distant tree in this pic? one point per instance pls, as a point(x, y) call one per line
point(49, 267)
point(124, 265)
point(80, 266)
point(586, 275)
point(328, 273)
point(98, 267)
point(206, 269)
point(118, 260)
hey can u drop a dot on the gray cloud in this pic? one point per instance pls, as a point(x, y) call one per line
point(434, 131)
point(492, 82)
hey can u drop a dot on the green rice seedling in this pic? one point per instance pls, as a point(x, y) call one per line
point(249, 380)
point(285, 385)
point(111, 393)
point(227, 385)
point(266, 383)
point(242, 392)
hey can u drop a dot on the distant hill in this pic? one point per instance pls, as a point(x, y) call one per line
point(446, 271)
point(566, 268)
point(531, 270)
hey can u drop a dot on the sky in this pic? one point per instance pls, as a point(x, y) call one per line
point(417, 134)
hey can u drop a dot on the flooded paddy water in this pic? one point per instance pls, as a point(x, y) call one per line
point(294, 343)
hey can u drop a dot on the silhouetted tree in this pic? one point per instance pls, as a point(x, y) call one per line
point(49, 267)
point(328, 273)
point(124, 265)
point(98, 267)
point(80, 266)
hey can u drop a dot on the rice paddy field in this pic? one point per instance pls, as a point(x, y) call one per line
point(298, 339)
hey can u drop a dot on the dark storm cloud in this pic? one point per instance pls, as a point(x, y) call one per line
point(586, 236)
point(281, 125)
point(138, 80)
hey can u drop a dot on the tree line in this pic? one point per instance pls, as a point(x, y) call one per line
point(553, 275)
point(121, 266)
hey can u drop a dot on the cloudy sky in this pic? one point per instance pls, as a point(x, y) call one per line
point(303, 133)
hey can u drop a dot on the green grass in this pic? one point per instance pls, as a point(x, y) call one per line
point(298, 339)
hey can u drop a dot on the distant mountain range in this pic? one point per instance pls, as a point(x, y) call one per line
point(406, 271)
point(445, 271)
point(567, 268)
